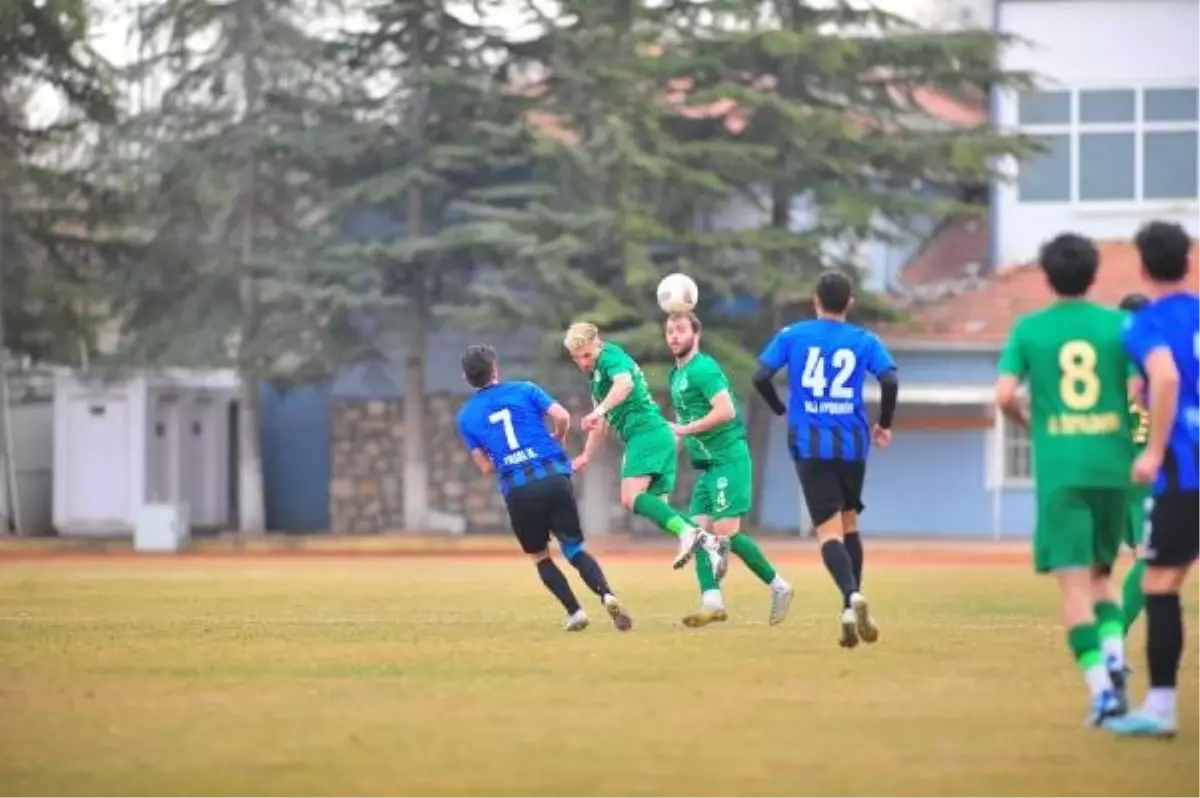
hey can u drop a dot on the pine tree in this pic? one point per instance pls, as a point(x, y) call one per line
point(56, 239)
point(234, 189)
point(441, 164)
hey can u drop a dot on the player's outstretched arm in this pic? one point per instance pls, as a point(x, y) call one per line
point(560, 421)
point(889, 394)
point(764, 383)
point(622, 386)
point(591, 445)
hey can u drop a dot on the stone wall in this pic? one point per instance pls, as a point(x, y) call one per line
point(366, 489)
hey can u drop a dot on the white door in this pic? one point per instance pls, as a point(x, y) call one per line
point(194, 467)
point(99, 463)
point(160, 451)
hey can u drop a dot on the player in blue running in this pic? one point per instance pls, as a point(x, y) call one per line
point(503, 426)
point(1163, 339)
point(829, 435)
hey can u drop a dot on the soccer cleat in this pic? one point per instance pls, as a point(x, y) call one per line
point(717, 548)
point(704, 616)
point(576, 621)
point(689, 540)
point(868, 632)
point(1141, 724)
point(620, 618)
point(849, 629)
point(1104, 707)
point(780, 601)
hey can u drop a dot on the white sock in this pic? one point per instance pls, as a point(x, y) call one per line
point(712, 600)
point(1113, 649)
point(779, 583)
point(1098, 680)
point(1160, 702)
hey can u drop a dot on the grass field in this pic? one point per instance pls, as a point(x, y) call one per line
point(450, 676)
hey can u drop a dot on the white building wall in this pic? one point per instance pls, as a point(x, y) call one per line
point(1114, 150)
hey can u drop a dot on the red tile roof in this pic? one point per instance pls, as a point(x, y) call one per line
point(985, 316)
point(957, 249)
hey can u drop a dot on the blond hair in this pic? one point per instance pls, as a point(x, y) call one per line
point(579, 335)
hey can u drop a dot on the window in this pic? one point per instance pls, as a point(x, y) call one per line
point(1017, 455)
point(1111, 145)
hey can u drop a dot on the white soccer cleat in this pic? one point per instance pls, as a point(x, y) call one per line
point(576, 622)
point(689, 539)
point(781, 600)
point(868, 632)
point(620, 618)
point(849, 629)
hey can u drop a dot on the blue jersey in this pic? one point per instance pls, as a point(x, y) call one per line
point(827, 362)
point(507, 422)
point(1173, 323)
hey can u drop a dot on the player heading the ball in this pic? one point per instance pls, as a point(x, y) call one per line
point(623, 404)
point(503, 426)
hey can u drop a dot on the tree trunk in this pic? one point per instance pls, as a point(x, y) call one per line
point(758, 434)
point(416, 332)
point(8, 465)
point(252, 514)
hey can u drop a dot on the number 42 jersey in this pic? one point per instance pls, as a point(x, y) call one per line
point(827, 363)
point(1073, 357)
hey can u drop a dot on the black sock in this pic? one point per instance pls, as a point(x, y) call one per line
point(854, 548)
point(590, 572)
point(556, 583)
point(1164, 638)
point(837, 562)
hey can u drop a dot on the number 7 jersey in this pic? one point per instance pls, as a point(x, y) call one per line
point(506, 421)
point(827, 363)
point(1073, 358)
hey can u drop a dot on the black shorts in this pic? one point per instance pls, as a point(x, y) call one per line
point(1174, 529)
point(831, 487)
point(541, 508)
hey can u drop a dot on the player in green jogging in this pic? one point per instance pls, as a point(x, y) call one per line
point(715, 438)
point(1132, 597)
point(624, 405)
point(1072, 355)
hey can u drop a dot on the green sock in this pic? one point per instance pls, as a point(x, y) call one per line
point(748, 552)
point(704, 572)
point(1084, 641)
point(1110, 629)
point(1132, 597)
point(662, 514)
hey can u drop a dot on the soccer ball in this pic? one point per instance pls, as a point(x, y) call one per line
point(677, 293)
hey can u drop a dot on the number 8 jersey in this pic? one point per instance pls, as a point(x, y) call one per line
point(827, 362)
point(1073, 358)
point(507, 422)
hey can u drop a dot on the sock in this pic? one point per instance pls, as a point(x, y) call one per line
point(1132, 597)
point(591, 573)
point(837, 562)
point(1084, 641)
point(749, 552)
point(1164, 639)
point(854, 548)
point(779, 583)
point(1110, 628)
point(704, 572)
point(662, 514)
point(1160, 702)
point(712, 600)
point(556, 583)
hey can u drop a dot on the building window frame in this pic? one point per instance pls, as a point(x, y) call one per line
point(1074, 130)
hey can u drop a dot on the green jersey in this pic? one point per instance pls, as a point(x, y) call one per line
point(1073, 358)
point(637, 413)
point(693, 386)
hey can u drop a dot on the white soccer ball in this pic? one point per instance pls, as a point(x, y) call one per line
point(677, 293)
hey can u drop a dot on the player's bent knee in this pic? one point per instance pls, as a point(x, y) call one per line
point(1159, 580)
point(830, 528)
point(538, 556)
point(726, 527)
point(570, 548)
